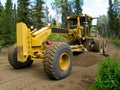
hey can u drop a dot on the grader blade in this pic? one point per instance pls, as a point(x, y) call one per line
point(23, 42)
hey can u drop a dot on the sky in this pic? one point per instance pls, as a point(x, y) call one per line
point(4, 1)
point(94, 8)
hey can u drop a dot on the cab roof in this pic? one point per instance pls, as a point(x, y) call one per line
point(81, 15)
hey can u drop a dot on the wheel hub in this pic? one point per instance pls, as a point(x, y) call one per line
point(64, 61)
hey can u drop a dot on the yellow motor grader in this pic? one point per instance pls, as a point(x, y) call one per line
point(57, 57)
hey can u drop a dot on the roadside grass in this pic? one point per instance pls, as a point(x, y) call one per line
point(116, 42)
point(57, 38)
point(108, 77)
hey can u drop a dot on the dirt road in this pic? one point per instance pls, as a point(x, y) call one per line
point(34, 78)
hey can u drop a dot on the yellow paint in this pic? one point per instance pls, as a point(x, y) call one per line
point(56, 21)
point(23, 42)
point(64, 61)
point(40, 36)
point(31, 43)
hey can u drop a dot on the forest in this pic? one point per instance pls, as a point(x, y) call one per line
point(36, 13)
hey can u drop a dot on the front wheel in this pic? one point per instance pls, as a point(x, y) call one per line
point(12, 58)
point(58, 61)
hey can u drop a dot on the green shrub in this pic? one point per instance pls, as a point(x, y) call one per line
point(116, 42)
point(57, 38)
point(108, 77)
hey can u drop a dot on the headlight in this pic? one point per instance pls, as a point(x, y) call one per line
point(68, 17)
point(49, 24)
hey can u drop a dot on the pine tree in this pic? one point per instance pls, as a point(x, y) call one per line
point(14, 13)
point(23, 14)
point(117, 18)
point(113, 17)
point(78, 6)
point(8, 24)
point(47, 14)
point(1, 9)
point(14, 20)
point(64, 13)
point(39, 14)
point(70, 8)
point(1, 19)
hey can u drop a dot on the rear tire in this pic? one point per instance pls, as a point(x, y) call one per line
point(58, 61)
point(105, 47)
point(96, 46)
point(12, 58)
point(99, 46)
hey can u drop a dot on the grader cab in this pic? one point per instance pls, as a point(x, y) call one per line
point(57, 57)
point(81, 33)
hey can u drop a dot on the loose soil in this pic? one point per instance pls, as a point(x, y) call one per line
point(34, 78)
